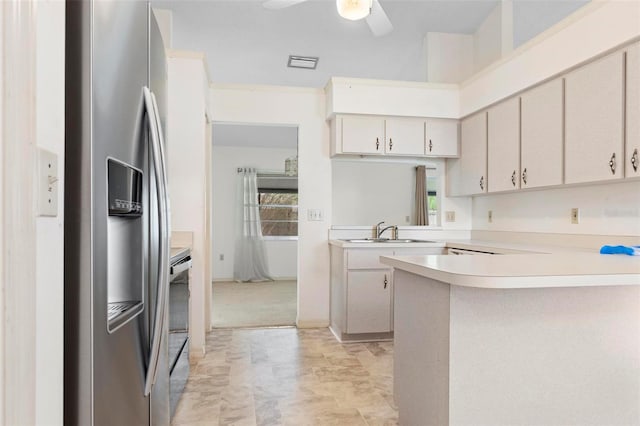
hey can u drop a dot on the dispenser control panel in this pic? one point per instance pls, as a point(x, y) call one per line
point(125, 189)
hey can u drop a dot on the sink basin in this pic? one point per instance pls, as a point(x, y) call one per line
point(385, 240)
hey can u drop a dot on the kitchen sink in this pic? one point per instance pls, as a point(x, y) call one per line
point(385, 240)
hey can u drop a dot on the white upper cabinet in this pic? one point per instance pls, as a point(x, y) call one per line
point(392, 136)
point(468, 174)
point(441, 138)
point(362, 135)
point(632, 150)
point(504, 146)
point(594, 121)
point(541, 112)
point(404, 136)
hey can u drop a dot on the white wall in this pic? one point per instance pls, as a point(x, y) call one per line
point(32, 83)
point(187, 165)
point(50, 87)
point(449, 57)
point(365, 193)
point(592, 30)
point(2, 221)
point(164, 18)
point(306, 109)
point(606, 209)
point(487, 41)
point(281, 254)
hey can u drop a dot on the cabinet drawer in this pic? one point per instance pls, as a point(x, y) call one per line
point(367, 258)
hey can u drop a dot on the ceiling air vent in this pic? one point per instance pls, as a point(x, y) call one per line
point(306, 62)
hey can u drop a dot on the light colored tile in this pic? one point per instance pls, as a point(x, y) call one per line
point(264, 377)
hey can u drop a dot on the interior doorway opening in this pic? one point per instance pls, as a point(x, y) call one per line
point(254, 248)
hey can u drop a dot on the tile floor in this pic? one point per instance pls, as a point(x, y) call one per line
point(286, 376)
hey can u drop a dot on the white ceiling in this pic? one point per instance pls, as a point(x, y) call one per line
point(246, 43)
point(254, 135)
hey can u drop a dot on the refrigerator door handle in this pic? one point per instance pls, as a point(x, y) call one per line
point(163, 267)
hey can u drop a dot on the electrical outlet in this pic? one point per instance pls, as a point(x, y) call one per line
point(575, 216)
point(490, 216)
point(450, 216)
point(407, 219)
point(222, 257)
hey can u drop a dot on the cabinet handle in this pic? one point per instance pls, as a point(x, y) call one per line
point(634, 160)
point(385, 281)
point(482, 182)
point(612, 163)
point(513, 178)
point(377, 144)
point(390, 144)
point(430, 145)
point(524, 176)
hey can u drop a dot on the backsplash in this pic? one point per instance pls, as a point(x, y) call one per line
point(608, 209)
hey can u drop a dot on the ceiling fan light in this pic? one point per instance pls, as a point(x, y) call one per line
point(353, 9)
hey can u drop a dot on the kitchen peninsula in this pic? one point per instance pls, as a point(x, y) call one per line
point(517, 339)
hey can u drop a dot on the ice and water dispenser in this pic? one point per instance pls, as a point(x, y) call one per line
point(125, 226)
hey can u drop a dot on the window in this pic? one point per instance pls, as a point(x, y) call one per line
point(432, 200)
point(278, 212)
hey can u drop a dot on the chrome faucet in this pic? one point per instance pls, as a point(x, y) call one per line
point(380, 230)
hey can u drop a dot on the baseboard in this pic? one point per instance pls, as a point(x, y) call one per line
point(312, 324)
point(195, 356)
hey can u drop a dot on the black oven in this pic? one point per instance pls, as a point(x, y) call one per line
point(178, 325)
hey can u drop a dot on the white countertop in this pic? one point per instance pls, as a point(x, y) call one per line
point(390, 243)
point(564, 269)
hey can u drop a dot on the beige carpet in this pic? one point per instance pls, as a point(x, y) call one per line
point(253, 304)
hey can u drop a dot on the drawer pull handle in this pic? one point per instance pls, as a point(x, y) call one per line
point(430, 145)
point(524, 176)
point(634, 160)
point(385, 281)
point(482, 182)
point(390, 144)
point(513, 178)
point(612, 163)
point(377, 144)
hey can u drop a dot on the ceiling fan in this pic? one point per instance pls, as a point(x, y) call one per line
point(376, 18)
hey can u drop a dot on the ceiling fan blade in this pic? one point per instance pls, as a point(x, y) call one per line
point(378, 20)
point(280, 4)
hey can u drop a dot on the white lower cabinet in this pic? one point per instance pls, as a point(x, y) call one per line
point(362, 291)
point(369, 301)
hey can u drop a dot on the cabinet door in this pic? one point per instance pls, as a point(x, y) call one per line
point(362, 135)
point(632, 150)
point(441, 138)
point(503, 139)
point(369, 301)
point(541, 120)
point(404, 136)
point(468, 174)
point(594, 102)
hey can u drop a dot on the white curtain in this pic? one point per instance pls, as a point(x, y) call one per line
point(250, 262)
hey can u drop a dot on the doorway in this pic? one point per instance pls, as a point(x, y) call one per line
point(268, 154)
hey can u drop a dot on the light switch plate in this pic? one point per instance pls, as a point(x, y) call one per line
point(47, 183)
point(450, 216)
point(315, 215)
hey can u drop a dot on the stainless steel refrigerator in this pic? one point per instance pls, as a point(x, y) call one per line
point(116, 217)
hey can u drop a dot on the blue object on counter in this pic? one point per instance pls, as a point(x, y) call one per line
point(628, 250)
